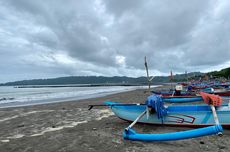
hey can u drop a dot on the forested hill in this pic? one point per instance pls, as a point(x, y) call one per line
point(222, 73)
point(98, 80)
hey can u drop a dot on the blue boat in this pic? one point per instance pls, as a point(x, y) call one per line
point(155, 112)
point(177, 115)
point(182, 99)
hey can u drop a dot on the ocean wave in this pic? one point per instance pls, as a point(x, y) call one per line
point(32, 96)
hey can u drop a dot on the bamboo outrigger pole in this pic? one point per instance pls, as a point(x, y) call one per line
point(171, 80)
point(106, 105)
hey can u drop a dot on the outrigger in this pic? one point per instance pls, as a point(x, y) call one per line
point(211, 116)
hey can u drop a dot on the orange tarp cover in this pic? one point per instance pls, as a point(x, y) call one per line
point(211, 99)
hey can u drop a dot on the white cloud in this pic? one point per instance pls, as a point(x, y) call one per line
point(120, 60)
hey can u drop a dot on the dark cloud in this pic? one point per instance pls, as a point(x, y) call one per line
point(111, 37)
point(120, 7)
point(158, 28)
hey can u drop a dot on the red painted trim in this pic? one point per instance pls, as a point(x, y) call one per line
point(179, 120)
point(193, 118)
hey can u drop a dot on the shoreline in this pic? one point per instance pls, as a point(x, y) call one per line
point(73, 100)
point(69, 126)
point(66, 99)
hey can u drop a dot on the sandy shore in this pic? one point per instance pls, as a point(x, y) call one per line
point(69, 126)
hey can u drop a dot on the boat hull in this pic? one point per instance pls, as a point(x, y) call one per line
point(188, 115)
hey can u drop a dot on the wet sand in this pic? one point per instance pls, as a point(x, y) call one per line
point(69, 126)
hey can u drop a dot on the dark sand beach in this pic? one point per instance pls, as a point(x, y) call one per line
point(70, 127)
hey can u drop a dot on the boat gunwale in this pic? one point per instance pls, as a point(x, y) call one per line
point(176, 108)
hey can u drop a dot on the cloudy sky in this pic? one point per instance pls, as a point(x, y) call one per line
point(52, 38)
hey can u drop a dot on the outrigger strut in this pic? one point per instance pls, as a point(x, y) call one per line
point(135, 121)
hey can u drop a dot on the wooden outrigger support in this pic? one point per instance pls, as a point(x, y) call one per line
point(148, 78)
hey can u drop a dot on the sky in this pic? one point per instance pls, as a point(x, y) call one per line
point(55, 38)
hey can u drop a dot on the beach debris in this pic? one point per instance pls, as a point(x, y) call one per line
point(94, 128)
point(5, 141)
point(19, 126)
point(201, 142)
point(3, 99)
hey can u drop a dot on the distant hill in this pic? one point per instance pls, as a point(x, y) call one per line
point(80, 80)
point(100, 80)
point(117, 80)
point(189, 76)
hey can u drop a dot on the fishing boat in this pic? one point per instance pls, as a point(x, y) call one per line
point(218, 91)
point(175, 115)
point(177, 92)
point(211, 116)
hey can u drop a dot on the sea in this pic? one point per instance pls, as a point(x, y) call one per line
point(11, 96)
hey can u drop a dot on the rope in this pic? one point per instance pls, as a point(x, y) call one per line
point(156, 103)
